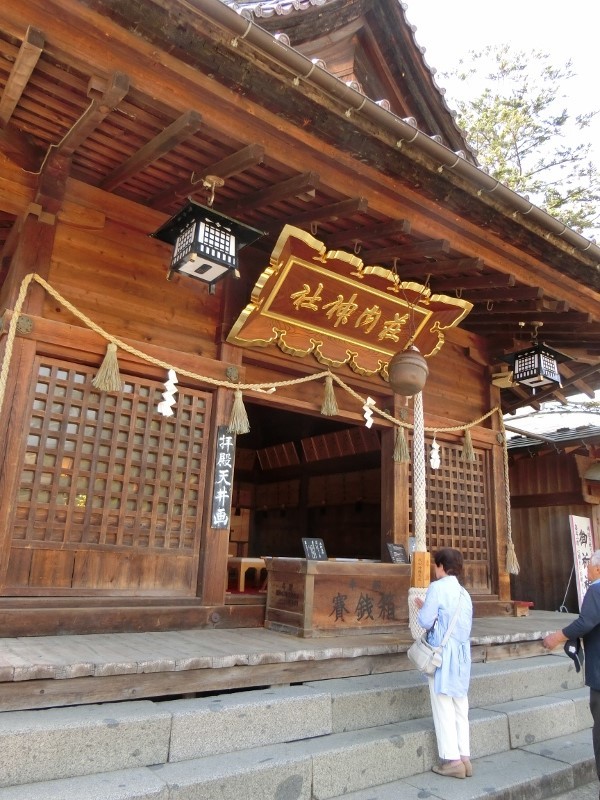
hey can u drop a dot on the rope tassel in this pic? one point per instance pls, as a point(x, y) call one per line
point(401, 451)
point(107, 378)
point(512, 565)
point(330, 406)
point(238, 421)
point(468, 452)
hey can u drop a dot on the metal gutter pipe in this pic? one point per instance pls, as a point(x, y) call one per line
point(306, 70)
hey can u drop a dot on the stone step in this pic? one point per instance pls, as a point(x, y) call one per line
point(341, 736)
point(67, 742)
point(534, 772)
point(396, 696)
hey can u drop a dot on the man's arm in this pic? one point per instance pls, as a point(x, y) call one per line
point(588, 619)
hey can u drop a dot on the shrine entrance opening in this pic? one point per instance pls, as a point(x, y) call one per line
point(302, 476)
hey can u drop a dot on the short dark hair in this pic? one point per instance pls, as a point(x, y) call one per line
point(450, 559)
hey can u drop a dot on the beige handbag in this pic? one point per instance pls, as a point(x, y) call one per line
point(425, 657)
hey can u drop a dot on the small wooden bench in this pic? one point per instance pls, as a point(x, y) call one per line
point(240, 565)
point(522, 607)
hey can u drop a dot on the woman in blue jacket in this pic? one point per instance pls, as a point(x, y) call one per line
point(449, 686)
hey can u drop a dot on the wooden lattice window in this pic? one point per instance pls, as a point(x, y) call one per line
point(458, 507)
point(105, 470)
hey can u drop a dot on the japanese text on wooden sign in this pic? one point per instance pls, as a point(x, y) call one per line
point(223, 480)
point(314, 549)
point(583, 548)
point(398, 553)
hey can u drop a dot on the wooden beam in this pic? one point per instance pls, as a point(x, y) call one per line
point(567, 372)
point(345, 208)
point(517, 314)
point(180, 130)
point(546, 500)
point(446, 268)
point(491, 308)
point(101, 106)
point(273, 194)
point(29, 53)
point(496, 294)
point(366, 233)
point(493, 280)
point(17, 148)
point(231, 165)
point(527, 399)
point(403, 252)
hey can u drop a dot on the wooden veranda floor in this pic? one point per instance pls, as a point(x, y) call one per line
point(43, 671)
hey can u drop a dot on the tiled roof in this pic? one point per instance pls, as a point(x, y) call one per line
point(269, 9)
point(560, 437)
point(265, 10)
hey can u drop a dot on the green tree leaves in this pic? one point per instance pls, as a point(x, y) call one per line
point(517, 122)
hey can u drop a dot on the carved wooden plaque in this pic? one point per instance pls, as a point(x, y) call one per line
point(332, 306)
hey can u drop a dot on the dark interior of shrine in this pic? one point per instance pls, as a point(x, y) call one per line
point(299, 476)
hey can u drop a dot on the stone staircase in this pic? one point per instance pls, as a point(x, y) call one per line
point(364, 738)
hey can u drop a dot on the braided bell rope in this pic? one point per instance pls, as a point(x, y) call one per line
point(259, 387)
point(419, 479)
point(415, 592)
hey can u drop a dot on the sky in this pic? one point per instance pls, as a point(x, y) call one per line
point(565, 29)
point(449, 29)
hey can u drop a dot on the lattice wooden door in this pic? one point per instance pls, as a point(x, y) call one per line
point(459, 511)
point(111, 493)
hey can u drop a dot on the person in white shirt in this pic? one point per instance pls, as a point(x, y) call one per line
point(449, 686)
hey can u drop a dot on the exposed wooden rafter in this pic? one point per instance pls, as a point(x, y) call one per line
point(404, 252)
point(180, 130)
point(367, 233)
point(274, 194)
point(230, 165)
point(345, 208)
point(491, 280)
point(496, 293)
point(445, 267)
point(29, 53)
point(103, 102)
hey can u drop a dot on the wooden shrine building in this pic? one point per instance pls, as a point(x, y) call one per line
point(317, 130)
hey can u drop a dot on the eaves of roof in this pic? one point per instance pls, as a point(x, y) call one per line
point(404, 133)
point(563, 437)
point(326, 15)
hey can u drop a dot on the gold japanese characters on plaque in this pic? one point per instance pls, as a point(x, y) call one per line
point(328, 304)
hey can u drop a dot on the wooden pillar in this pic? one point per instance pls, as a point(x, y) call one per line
point(501, 578)
point(214, 542)
point(31, 248)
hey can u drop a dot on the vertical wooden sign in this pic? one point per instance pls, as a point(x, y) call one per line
point(223, 481)
point(420, 570)
point(583, 547)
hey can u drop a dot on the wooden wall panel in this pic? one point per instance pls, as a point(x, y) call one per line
point(546, 474)
point(141, 304)
point(540, 528)
point(542, 540)
point(457, 387)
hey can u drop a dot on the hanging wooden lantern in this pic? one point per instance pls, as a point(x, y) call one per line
point(408, 372)
point(537, 366)
point(205, 242)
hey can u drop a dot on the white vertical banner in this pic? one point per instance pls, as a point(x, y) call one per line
point(582, 539)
